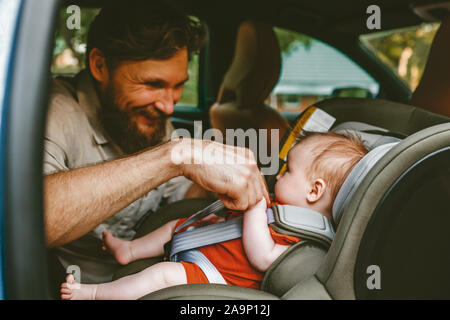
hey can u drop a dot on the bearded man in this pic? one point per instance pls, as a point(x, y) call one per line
point(107, 146)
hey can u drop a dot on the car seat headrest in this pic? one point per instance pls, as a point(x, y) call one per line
point(355, 177)
point(433, 92)
point(255, 68)
point(371, 136)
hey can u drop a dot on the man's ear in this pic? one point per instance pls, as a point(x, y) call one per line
point(316, 190)
point(97, 65)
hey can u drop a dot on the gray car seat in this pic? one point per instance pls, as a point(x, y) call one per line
point(307, 270)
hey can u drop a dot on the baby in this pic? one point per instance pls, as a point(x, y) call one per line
point(316, 168)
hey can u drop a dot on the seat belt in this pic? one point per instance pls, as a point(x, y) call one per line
point(214, 207)
point(196, 256)
point(204, 236)
point(184, 245)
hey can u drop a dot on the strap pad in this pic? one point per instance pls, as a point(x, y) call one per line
point(302, 223)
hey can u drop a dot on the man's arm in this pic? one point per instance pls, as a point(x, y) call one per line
point(259, 246)
point(78, 200)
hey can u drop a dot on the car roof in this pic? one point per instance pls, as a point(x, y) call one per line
point(314, 17)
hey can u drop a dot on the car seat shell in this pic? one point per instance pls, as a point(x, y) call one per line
point(337, 270)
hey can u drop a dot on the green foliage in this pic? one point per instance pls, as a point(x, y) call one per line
point(74, 40)
point(189, 97)
point(404, 50)
point(290, 41)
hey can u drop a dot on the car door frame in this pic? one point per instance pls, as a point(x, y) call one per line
point(22, 134)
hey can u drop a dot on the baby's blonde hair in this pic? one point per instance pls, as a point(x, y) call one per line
point(335, 155)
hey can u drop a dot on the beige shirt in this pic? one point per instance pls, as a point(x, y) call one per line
point(75, 139)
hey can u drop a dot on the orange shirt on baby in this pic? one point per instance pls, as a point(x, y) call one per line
point(230, 259)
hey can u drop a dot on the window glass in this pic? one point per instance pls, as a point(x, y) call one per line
point(70, 50)
point(405, 51)
point(70, 45)
point(312, 70)
point(8, 16)
point(9, 11)
point(189, 96)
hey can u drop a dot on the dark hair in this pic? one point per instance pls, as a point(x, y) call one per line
point(140, 30)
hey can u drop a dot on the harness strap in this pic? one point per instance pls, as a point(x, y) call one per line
point(309, 221)
point(203, 236)
point(195, 256)
point(212, 208)
point(184, 245)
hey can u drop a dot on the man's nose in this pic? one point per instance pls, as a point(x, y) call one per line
point(166, 102)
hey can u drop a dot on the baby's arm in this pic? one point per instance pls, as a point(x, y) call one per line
point(259, 246)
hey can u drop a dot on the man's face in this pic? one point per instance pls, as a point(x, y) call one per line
point(138, 98)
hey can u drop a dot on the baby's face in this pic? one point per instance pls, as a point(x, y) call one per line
point(292, 187)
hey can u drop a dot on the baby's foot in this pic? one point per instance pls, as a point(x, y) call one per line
point(70, 290)
point(121, 249)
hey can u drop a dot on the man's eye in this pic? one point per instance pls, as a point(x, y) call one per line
point(180, 85)
point(154, 84)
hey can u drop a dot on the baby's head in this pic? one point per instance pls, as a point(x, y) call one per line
point(316, 169)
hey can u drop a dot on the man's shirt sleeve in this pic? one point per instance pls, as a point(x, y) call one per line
point(59, 130)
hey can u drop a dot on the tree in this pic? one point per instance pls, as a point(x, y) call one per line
point(73, 40)
point(289, 41)
point(405, 51)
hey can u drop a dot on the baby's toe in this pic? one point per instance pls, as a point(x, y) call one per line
point(65, 288)
point(70, 279)
point(66, 296)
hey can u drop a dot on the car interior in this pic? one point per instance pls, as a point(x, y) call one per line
point(391, 212)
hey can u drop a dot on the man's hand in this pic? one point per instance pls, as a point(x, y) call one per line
point(72, 209)
point(230, 172)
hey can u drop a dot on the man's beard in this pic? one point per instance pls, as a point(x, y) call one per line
point(123, 130)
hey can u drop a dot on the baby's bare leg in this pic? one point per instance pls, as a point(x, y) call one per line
point(151, 245)
point(156, 277)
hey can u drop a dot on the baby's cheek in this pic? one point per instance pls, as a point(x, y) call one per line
point(280, 193)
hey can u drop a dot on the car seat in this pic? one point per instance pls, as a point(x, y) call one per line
point(307, 270)
point(433, 92)
point(250, 79)
point(376, 211)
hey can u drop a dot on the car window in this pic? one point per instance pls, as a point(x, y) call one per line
point(313, 70)
point(9, 13)
point(405, 51)
point(70, 49)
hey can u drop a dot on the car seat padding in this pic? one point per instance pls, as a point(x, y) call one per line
point(392, 116)
point(355, 177)
point(336, 272)
point(299, 262)
point(334, 276)
point(202, 291)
